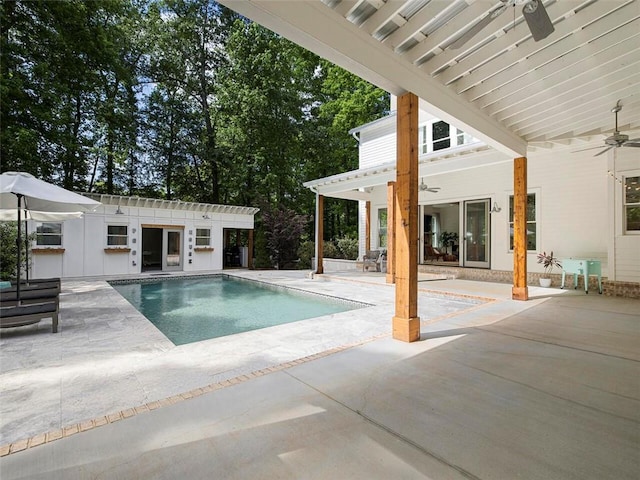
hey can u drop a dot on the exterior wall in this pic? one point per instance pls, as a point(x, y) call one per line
point(378, 143)
point(84, 241)
point(625, 247)
point(576, 201)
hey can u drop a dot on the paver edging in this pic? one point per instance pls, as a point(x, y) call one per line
point(86, 425)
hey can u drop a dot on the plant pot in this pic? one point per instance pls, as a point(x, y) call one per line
point(545, 282)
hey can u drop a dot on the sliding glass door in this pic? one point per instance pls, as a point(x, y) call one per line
point(477, 234)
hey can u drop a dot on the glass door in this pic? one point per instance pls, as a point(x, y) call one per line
point(172, 250)
point(477, 237)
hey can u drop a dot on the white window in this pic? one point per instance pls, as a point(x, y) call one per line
point(382, 228)
point(631, 201)
point(49, 234)
point(438, 135)
point(117, 236)
point(532, 224)
point(203, 237)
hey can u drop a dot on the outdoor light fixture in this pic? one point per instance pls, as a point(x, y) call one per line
point(495, 208)
point(119, 212)
point(206, 217)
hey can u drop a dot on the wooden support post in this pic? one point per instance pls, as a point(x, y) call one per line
point(406, 323)
point(391, 236)
point(319, 233)
point(367, 227)
point(520, 290)
point(250, 250)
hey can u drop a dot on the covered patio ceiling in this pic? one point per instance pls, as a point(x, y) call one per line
point(500, 86)
point(359, 184)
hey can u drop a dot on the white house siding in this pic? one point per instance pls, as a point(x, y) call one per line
point(85, 240)
point(626, 247)
point(378, 143)
point(571, 191)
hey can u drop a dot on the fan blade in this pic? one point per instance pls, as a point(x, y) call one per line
point(538, 20)
point(584, 149)
point(473, 31)
point(603, 151)
point(633, 142)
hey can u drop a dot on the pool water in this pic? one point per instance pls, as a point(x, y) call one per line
point(191, 310)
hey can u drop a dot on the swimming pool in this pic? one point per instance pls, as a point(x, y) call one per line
point(189, 310)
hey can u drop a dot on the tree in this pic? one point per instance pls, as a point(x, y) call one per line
point(283, 230)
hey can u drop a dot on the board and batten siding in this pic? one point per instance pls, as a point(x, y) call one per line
point(85, 239)
point(572, 211)
point(625, 162)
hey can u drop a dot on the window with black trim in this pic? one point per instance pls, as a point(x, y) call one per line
point(49, 234)
point(439, 135)
point(532, 224)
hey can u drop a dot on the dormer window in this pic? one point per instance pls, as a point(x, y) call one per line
point(439, 135)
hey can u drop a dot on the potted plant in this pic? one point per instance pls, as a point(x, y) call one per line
point(549, 262)
point(448, 239)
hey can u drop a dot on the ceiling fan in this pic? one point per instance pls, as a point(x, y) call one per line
point(533, 12)
point(617, 139)
point(425, 188)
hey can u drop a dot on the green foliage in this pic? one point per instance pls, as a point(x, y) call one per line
point(9, 250)
point(348, 248)
point(330, 250)
point(306, 251)
point(176, 99)
point(448, 239)
point(262, 259)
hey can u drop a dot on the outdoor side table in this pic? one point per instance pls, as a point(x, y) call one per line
point(582, 267)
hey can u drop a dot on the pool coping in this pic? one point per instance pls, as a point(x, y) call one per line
point(85, 425)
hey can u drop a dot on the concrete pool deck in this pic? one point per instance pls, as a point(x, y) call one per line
point(547, 388)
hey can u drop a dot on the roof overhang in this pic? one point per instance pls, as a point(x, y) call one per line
point(139, 202)
point(359, 184)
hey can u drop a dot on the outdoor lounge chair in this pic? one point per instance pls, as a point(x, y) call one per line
point(434, 253)
point(29, 294)
point(21, 315)
point(370, 259)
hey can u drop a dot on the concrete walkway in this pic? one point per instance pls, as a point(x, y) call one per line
point(548, 388)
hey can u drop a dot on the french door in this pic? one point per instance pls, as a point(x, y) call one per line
point(172, 250)
point(477, 230)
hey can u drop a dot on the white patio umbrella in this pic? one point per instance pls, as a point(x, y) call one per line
point(43, 201)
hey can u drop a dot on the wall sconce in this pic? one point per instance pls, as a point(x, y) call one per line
point(496, 208)
point(119, 212)
point(206, 217)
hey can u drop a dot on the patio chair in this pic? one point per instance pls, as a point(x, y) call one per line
point(370, 259)
point(29, 295)
point(21, 315)
point(434, 253)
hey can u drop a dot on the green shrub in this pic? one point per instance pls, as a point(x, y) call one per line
point(9, 251)
point(329, 250)
point(348, 248)
point(306, 251)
